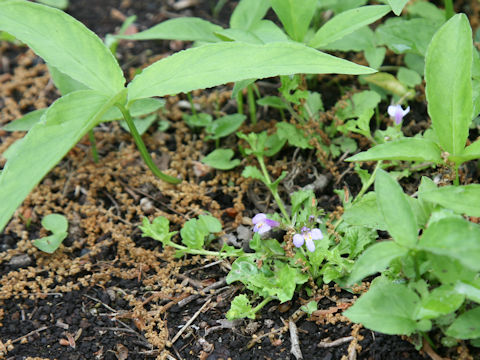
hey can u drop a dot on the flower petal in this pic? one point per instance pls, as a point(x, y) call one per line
point(406, 111)
point(264, 228)
point(310, 244)
point(298, 240)
point(316, 234)
point(392, 110)
point(272, 223)
point(259, 218)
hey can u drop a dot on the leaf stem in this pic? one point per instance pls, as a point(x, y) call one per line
point(262, 304)
point(93, 145)
point(456, 182)
point(449, 9)
point(368, 183)
point(251, 104)
point(143, 149)
point(240, 102)
point(273, 190)
point(192, 105)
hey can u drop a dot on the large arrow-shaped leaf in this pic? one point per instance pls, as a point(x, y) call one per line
point(216, 64)
point(64, 43)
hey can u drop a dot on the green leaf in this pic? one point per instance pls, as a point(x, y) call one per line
point(390, 83)
point(59, 4)
point(409, 149)
point(456, 238)
point(375, 259)
point(197, 120)
point(365, 212)
point(449, 270)
point(426, 10)
point(224, 126)
point(287, 279)
point(274, 144)
point(137, 108)
point(441, 301)
point(466, 326)
point(396, 210)
point(210, 223)
point(407, 36)
point(387, 307)
point(295, 16)
point(50, 243)
point(158, 230)
point(346, 23)
point(47, 142)
point(462, 199)
point(293, 135)
point(240, 308)
point(238, 35)
point(64, 83)
point(193, 234)
point(221, 159)
point(409, 77)
point(248, 13)
point(193, 68)
point(26, 122)
point(183, 28)
point(448, 77)
point(471, 152)
point(64, 43)
point(300, 197)
point(397, 6)
point(56, 223)
point(272, 101)
point(253, 172)
point(471, 289)
point(267, 31)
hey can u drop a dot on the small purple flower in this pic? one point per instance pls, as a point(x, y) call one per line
point(397, 113)
point(307, 236)
point(262, 224)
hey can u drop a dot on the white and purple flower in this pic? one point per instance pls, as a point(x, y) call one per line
point(262, 224)
point(307, 236)
point(397, 113)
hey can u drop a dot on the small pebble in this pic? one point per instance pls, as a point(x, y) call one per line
point(20, 261)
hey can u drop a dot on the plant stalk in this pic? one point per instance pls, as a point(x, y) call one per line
point(251, 104)
point(449, 9)
point(143, 149)
point(93, 146)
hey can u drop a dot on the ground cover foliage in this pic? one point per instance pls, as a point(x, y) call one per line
point(287, 212)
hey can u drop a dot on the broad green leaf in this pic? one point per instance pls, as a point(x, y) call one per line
point(449, 270)
point(341, 6)
point(59, 4)
point(462, 199)
point(390, 83)
point(471, 152)
point(268, 31)
point(243, 268)
point(50, 243)
point(426, 10)
point(221, 159)
point(287, 279)
point(272, 101)
point(365, 212)
point(184, 28)
point(274, 144)
point(456, 238)
point(137, 108)
point(466, 326)
point(240, 308)
point(238, 35)
point(158, 229)
point(64, 83)
point(471, 289)
point(360, 40)
point(396, 210)
point(441, 301)
point(64, 43)
point(56, 223)
point(409, 149)
point(375, 259)
point(193, 234)
point(295, 16)
point(293, 135)
point(248, 13)
point(407, 36)
point(210, 223)
point(409, 77)
point(67, 120)
point(387, 307)
point(194, 68)
point(397, 6)
point(448, 76)
point(224, 126)
point(26, 122)
point(197, 120)
point(346, 23)
point(253, 172)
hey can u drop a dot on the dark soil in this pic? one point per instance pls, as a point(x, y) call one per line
point(107, 292)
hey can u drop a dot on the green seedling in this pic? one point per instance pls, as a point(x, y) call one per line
point(58, 225)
